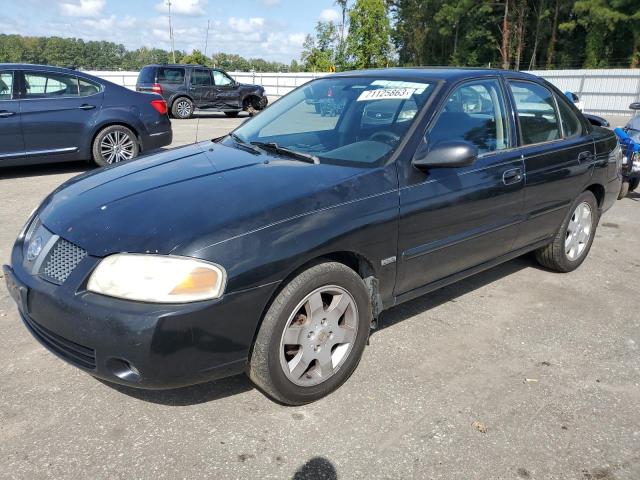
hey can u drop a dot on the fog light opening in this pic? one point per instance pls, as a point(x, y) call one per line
point(123, 369)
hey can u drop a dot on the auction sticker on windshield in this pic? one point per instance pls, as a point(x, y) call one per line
point(386, 94)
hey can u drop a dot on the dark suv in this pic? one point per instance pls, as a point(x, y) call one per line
point(187, 87)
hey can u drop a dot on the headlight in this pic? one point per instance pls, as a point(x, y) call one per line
point(157, 278)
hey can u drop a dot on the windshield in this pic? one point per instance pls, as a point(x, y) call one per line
point(340, 120)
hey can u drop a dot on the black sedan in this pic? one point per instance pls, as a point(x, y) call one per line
point(50, 114)
point(273, 250)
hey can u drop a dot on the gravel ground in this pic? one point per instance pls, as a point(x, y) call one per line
point(516, 373)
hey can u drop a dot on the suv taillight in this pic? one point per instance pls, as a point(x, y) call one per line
point(156, 88)
point(160, 106)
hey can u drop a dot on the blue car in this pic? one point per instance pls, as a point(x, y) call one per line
point(629, 138)
point(51, 114)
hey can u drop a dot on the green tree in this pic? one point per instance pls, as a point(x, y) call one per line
point(319, 50)
point(196, 57)
point(369, 39)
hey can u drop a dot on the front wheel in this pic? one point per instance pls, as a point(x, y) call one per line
point(114, 144)
point(633, 184)
point(313, 335)
point(573, 241)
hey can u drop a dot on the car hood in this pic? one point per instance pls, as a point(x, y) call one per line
point(185, 199)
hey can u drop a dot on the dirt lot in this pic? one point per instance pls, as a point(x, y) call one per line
point(516, 373)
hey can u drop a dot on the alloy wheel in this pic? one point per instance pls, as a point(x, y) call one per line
point(183, 108)
point(117, 146)
point(578, 231)
point(319, 336)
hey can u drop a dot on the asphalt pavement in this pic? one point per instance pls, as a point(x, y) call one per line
point(516, 373)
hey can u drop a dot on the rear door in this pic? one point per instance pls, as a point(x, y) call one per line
point(201, 87)
point(227, 91)
point(558, 155)
point(11, 140)
point(454, 219)
point(58, 111)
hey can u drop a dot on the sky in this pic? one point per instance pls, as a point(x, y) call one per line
point(270, 29)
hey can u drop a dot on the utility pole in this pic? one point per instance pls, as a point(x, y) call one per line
point(173, 50)
point(206, 39)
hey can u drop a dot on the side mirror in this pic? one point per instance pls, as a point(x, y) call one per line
point(635, 106)
point(453, 153)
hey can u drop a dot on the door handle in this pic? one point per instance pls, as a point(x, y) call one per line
point(585, 156)
point(86, 106)
point(512, 176)
point(6, 113)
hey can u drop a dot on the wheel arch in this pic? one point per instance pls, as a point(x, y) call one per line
point(598, 191)
point(177, 96)
point(353, 260)
point(102, 126)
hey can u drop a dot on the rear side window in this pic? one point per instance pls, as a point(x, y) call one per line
point(88, 88)
point(475, 113)
point(570, 123)
point(173, 75)
point(147, 75)
point(536, 112)
point(201, 77)
point(6, 85)
point(50, 85)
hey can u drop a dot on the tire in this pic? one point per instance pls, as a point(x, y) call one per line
point(182, 108)
point(231, 114)
point(114, 144)
point(633, 184)
point(270, 364)
point(565, 254)
point(624, 190)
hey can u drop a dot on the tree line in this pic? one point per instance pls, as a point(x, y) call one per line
point(102, 55)
point(511, 34)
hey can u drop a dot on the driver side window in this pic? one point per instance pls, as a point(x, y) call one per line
point(220, 79)
point(475, 112)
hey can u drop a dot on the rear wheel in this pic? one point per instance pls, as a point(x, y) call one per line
point(313, 335)
point(573, 241)
point(182, 108)
point(114, 144)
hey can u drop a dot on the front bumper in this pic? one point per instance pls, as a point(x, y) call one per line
point(138, 344)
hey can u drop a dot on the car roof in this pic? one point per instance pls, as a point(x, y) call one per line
point(30, 66)
point(435, 73)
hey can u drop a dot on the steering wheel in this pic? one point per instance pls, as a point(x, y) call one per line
point(385, 136)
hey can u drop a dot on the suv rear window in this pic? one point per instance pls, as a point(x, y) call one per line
point(170, 75)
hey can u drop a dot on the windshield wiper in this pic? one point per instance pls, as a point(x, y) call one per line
point(239, 141)
point(274, 147)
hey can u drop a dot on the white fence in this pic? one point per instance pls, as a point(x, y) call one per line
point(604, 92)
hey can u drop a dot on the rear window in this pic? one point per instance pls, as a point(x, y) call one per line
point(170, 75)
point(147, 75)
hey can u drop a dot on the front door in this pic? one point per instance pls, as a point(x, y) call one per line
point(227, 91)
point(58, 111)
point(11, 140)
point(453, 219)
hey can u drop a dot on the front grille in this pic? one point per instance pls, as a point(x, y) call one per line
point(75, 353)
point(63, 258)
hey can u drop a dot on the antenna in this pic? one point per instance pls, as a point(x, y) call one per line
point(173, 49)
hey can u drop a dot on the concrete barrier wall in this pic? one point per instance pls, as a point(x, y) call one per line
point(604, 92)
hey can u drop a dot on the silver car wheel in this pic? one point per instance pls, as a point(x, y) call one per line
point(183, 109)
point(578, 231)
point(117, 146)
point(319, 336)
